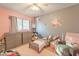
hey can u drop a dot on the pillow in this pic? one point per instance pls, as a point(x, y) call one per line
point(72, 44)
point(69, 44)
point(56, 37)
point(49, 37)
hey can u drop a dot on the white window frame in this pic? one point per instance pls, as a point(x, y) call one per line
point(21, 27)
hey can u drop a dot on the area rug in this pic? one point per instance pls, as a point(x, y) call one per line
point(9, 53)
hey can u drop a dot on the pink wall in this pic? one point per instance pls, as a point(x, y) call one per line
point(4, 18)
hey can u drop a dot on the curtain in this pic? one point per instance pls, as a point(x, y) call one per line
point(13, 24)
point(18, 24)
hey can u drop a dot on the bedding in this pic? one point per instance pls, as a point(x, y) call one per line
point(9, 53)
point(38, 44)
point(62, 49)
point(71, 46)
point(67, 50)
point(41, 43)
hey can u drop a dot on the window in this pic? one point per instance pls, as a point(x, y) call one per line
point(19, 24)
point(25, 25)
point(22, 25)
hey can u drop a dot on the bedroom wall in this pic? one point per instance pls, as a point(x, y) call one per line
point(4, 18)
point(68, 17)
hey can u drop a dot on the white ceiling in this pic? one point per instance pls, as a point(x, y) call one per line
point(46, 8)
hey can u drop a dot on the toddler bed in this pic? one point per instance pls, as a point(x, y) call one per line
point(38, 45)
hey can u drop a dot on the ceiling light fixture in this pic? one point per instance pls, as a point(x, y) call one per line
point(35, 8)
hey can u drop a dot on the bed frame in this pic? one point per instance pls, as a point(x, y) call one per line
point(36, 47)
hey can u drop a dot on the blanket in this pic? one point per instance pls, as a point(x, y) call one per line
point(63, 50)
point(41, 43)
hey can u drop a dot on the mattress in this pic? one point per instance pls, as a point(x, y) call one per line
point(41, 43)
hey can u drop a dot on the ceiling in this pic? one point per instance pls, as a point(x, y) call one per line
point(44, 8)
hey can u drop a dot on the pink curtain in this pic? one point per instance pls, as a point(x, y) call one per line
point(13, 24)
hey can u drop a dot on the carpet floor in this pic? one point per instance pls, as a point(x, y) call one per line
point(24, 50)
